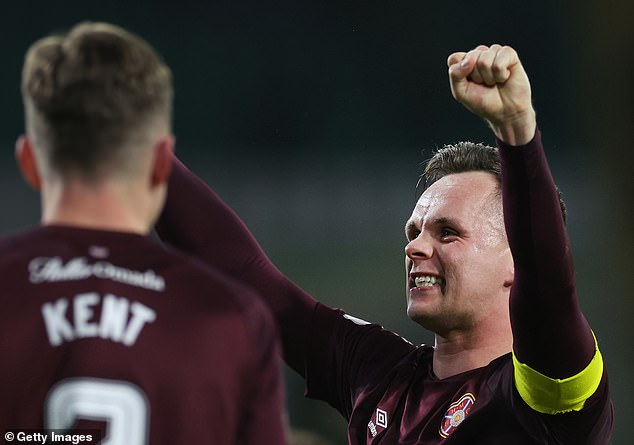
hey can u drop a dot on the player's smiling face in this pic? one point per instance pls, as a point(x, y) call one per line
point(458, 263)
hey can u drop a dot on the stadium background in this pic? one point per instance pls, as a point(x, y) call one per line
point(312, 119)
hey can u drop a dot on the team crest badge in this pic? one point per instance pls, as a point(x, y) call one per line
point(456, 413)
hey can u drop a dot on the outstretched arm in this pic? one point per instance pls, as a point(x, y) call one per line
point(557, 366)
point(198, 222)
point(333, 351)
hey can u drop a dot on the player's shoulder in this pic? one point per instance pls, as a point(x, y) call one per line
point(7, 241)
point(20, 243)
point(195, 273)
point(245, 302)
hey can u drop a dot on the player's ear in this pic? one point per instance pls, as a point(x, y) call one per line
point(163, 158)
point(509, 268)
point(510, 276)
point(25, 158)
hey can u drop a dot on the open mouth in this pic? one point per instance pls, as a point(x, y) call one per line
point(427, 281)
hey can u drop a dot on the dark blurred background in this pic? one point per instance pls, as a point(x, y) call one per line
point(312, 120)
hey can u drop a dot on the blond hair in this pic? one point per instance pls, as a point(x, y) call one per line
point(90, 97)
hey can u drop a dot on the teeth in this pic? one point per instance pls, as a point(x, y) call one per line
point(426, 280)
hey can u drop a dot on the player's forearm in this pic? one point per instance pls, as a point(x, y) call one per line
point(198, 222)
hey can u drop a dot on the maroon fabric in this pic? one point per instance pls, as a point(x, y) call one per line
point(183, 352)
point(385, 386)
point(549, 331)
point(386, 389)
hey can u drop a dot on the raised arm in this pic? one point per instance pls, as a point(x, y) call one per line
point(198, 222)
point(557, 365)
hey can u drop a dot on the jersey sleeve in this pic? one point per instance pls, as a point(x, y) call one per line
point(198, 222)
point(334, 352)
point(557, 362)
point(348, 357)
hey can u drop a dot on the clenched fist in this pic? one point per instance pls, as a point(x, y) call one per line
point(491, 82)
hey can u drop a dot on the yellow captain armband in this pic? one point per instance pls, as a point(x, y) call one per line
point(553, 396)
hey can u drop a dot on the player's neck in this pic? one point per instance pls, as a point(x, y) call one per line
point(463, 351)
point(105, 206)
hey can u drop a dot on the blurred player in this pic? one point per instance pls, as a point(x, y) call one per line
point(489, 271)
point(99, 322)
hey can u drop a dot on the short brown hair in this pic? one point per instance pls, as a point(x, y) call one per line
point(466, 157)
point(462, 157)
point(90, 93)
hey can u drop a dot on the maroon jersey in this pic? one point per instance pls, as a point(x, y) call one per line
point(387, 390)
point(113, 327)
point(385, 386)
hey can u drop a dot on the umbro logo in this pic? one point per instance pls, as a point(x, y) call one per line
point(380, 421)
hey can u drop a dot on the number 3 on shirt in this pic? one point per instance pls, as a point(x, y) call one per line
point(121, 404)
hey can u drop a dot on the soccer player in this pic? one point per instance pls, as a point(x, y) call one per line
point(100, 324)
point(489, 271)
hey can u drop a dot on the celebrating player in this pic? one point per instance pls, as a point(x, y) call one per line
point(100, 324)
point(489, 271)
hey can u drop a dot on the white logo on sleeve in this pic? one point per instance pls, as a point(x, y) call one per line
point(355, 320)
point(380, 421)
point(381, 418)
